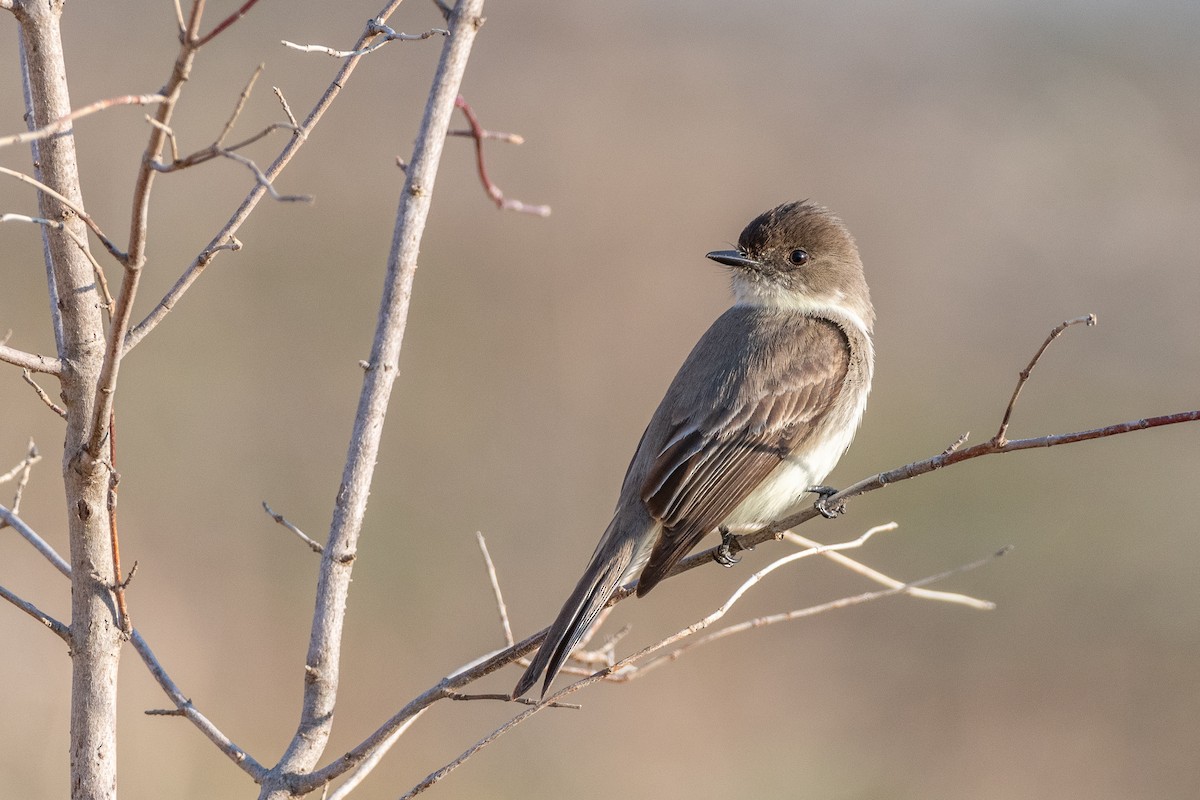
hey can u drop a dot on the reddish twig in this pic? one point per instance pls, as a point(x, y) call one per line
point(1089, 319)
point(225, 23)
point(493, 191)
point(114, 478)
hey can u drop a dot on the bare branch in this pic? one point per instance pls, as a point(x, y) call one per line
point(287, 110)
point(30, 361)
point(241, 104)
point(80, 242)
point(114, 479)
point(264, 181)
point(845, 602)
point(79, 212)
point(225, 23)
point(376, 27)
point(879, 577)
point(32, 456)
point(9, 517)
point(313, 545)
point(62, 631)
point(23, 469)
point(62, 123)
point(1089, 319)
point(364, 768)
point(957, 443)
point(491, 570)
point(41, 393)
point(322, 663)
point(224, 237)
point(185, 708)
point(493, 191)
point(950, 456)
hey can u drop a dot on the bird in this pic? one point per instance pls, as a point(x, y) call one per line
point(759, 413)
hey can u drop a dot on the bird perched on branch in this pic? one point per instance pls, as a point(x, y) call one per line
point(759, 413)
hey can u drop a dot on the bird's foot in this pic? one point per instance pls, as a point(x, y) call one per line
point(828, 510)
point(725, 554)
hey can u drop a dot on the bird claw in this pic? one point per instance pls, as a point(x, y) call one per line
point(827, 509)
point(725, 554)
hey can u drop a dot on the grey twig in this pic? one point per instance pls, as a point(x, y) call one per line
point(73, 207)
point(79, 241)
point(62, 631)
point(9, 517)
point(228, 232)
point(62, 123)
point(382, 33)
point(313, 545)
point(23, 469)
point(184, 708)
point(491, 570)
point(41, 394)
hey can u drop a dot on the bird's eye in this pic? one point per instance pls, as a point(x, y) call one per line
point(798, 257)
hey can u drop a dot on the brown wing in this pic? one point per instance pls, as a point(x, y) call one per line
point(712, 459)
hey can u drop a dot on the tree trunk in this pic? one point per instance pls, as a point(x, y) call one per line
point(79, 335)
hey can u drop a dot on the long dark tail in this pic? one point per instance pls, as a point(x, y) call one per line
point(591, 594)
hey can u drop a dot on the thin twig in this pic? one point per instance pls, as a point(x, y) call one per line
point(239, 756)
point(877, 576)
point(264, 181)
point(325, 641)
point(1089, 319)
point(79, 212)
point(760, 622)
point(62, 123)
point(80, 242)
point(491, 570)
point(385, 33)
point(313, 545)
point(32, 456)
point(62, 631)
point(944, 459)
point(957, 443)
point(287, 110)
point(8, 517)
point(24, 470)
point(225, 23)
point(185, 708)
point(499, 136)
point(241, 104)
point(135, 258)
point(222, 239)
point(493, 191)
point(611, 672)
point(364, 768)
point(114, 479)
point(504, 698)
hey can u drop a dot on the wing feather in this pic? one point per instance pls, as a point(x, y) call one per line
point(711, 459)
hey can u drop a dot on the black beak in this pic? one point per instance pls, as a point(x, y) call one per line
point(732, 258)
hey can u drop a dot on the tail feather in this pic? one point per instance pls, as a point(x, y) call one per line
point(591, 594)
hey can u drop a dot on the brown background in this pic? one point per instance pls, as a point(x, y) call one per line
point(1004, 166)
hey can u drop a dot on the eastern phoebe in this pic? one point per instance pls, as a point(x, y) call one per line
point(759, 413)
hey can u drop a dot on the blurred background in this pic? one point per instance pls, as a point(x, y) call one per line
point(1003, 165)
